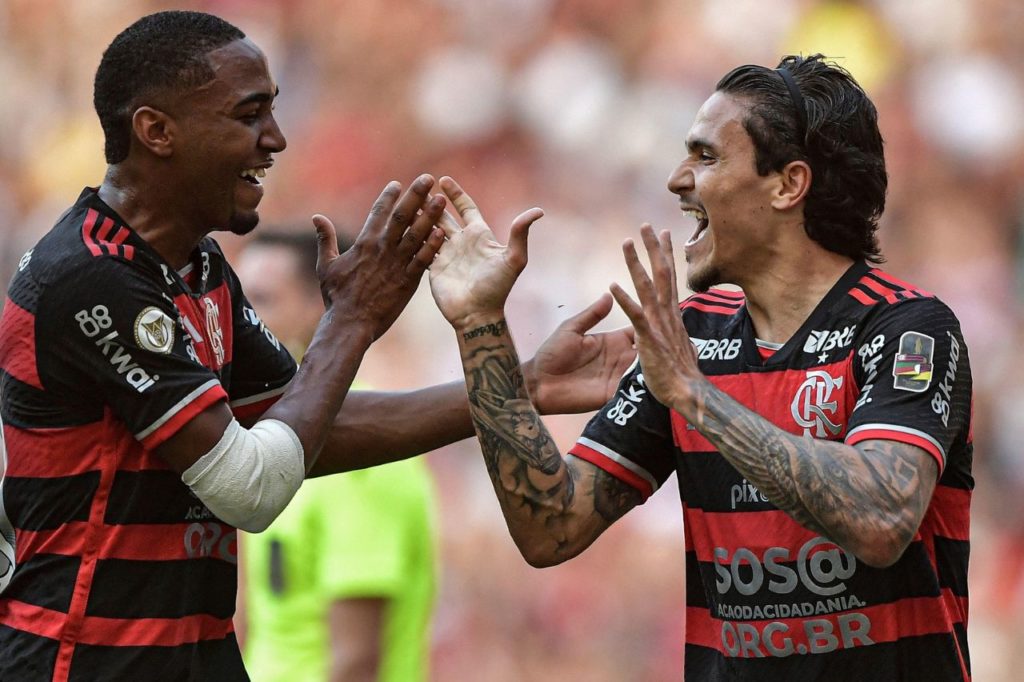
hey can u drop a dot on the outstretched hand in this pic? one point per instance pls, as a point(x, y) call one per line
point(577, 372)
point(374, 279)
point(474, 273)
point(666, 353)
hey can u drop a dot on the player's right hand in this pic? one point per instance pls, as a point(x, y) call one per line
point(371, 283)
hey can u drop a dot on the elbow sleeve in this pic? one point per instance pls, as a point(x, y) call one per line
point(250, 475)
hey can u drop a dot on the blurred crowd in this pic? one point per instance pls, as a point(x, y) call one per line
point(581, 107)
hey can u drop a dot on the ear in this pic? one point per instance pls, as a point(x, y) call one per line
point(154, 130)
point(794, 184)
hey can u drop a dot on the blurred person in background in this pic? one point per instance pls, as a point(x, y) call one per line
point(341, 585)
point(148, 414)
point(818, 421)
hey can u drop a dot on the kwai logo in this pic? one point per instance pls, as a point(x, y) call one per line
point(813, 406)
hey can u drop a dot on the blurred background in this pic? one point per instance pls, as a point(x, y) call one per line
point(581, 107)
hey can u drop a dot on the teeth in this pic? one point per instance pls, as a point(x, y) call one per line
point(261, 172)
point(695, 213)
point(254, 173)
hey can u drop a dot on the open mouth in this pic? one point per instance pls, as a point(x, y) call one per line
point(253, 175)
point(702, 224)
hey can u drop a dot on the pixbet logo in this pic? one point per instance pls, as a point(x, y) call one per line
point(813, 406)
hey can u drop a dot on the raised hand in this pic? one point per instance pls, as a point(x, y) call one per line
point(666, 353)
point(577, 372)
point(372, 282)
point(473, 274)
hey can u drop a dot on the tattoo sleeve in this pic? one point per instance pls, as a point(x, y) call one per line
point(554, 507)
point(875, 490)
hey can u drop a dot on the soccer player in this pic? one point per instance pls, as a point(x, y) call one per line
point(818, 419)
point(148, 413)
point(341, 585)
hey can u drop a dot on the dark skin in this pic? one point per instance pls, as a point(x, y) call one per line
point(868, 498)
point(183, 178)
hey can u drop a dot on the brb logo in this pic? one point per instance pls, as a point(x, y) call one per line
point(814, 408)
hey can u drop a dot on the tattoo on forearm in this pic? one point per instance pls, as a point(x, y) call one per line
point(536, 487)
point(829, 488)
point(493, 329)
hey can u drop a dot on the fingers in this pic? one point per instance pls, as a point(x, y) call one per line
point(413, 238)
point(665, 238)
point(633, 311)
point(641, 281)
point(406, 211)
point(376, 221)
point(326, 242)
point(462, 202)
point(519, 235)
point(425, 256)
point(449, 224)
point(584, 321)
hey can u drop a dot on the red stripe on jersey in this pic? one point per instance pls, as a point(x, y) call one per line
point(129, 251)
point(184, 416)
point(153, 631)
point(122, 234)
point(901, 437)
point(714, 296)
point(861, 296)
point(901, 284)
point(66, 540)
point(18, 344)
point(90, 221)
point(708, 308)
point(100, 631)
point(726, 293)
point(171, 541)
point(753, 530)
point(911, 617)
point(69, 451)
point(620, 472)
point(105, 228)
point(33, 619)
point(250, 413)
point(876, 286)
point(955, 521)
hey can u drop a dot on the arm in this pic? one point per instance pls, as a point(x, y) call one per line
point(356, 627)
point(868, 498)
point(364, 289)
point(554, 506)
point(573, 371)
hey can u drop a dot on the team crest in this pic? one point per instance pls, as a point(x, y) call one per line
point(154, 330)
point(912, 370)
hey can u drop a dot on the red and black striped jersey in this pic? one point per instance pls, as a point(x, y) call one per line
point(119, 572)
point(768, 599)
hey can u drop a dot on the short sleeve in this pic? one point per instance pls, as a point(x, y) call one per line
point(108, 334)
point(631, 436)
point(914, 377)
point(261, 365)
point(365, 547)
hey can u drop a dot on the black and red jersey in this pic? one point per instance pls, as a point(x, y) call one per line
point(120, 572)
point(768, 599)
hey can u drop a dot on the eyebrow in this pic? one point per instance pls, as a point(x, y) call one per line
point(258, 97)
point(696, 143)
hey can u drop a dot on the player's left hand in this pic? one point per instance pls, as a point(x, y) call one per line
point(574, 371)
point(667, 356)
point(473, 273)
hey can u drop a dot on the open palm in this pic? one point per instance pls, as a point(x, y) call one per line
point(473, 272)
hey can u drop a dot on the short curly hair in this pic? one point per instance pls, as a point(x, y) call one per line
point(159, 52)
point(838, 138)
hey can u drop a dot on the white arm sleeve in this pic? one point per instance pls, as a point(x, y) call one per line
point(250, 475)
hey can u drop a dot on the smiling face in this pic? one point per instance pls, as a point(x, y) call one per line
point(717, 183)
point(228, 135)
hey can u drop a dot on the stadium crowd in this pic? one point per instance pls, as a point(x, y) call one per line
point(581, 107)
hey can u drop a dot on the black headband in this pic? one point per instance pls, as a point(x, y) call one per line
point(798, 100)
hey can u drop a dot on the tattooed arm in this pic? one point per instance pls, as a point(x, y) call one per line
point(868, 498)
point(555, 507)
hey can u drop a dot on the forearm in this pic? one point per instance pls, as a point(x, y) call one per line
point(376, 427)
point(322, 381)
point(536, 488)
point(863, 501)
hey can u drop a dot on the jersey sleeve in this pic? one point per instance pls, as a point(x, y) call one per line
point(631, 436)
point(914, 378)
point(109, 336)
point(366, 552)
point(261, 365)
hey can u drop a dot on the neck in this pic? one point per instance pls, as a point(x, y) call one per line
point(781, 297)
point(148, 209)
